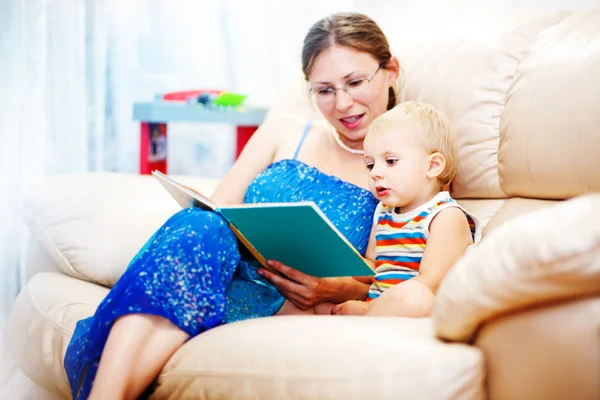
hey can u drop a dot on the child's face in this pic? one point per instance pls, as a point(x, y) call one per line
point(398, 162)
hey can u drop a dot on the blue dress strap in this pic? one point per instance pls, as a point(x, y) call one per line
point(306, 129)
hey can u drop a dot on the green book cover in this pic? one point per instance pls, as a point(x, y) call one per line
point(296, 234)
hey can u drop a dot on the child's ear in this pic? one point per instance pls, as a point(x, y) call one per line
point(437, 164)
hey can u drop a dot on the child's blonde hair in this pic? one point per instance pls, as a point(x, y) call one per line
point(435, 133)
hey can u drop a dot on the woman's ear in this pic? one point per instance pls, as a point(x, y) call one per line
point(437, 164)
point(393, 66)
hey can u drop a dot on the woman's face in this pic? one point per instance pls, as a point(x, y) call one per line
point(350, 112)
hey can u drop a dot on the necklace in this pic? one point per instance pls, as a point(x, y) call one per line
point(336, 136)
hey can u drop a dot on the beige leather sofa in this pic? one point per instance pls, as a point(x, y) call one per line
point(517, 318)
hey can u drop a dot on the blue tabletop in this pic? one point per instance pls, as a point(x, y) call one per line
point(176, 111)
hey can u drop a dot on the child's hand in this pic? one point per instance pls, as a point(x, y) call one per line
point(351, 307)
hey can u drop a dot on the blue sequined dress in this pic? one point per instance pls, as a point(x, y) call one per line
point(191, 272)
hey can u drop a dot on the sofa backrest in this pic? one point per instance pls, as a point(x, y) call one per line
point(550, 126)
point(89, 226)
point(523, 96)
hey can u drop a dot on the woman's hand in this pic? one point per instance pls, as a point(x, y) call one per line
point(351, 307)
point(306, 291)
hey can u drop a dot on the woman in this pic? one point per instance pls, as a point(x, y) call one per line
point(190, 276)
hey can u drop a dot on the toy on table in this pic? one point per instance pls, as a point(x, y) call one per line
point(211, 98)
point(220, 100)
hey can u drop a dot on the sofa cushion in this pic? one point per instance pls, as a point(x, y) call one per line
point(42, 321)
point(292, 357)
point(550, 353)
point(544, 256)
point(91, 225)
point(550, 150)
point(466, 72)
point(322, 357)
point(483, 209)
point(512, 208)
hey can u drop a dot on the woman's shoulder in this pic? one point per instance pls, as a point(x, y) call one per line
point(287, 131)
point(280, 127)
point(290, 125)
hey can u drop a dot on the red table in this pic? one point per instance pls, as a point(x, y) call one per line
point(154, 117)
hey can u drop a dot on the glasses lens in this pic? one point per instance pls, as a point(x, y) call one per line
point(356, 87)
point(323, 96)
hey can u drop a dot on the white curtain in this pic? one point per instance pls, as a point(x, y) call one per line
point(70, 71)
point(43, 109)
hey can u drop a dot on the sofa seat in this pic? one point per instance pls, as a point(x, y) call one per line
point(270, 358)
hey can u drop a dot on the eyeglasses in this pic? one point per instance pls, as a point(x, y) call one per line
point(355, 89)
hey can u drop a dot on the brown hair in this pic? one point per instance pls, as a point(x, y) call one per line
point(353, 30)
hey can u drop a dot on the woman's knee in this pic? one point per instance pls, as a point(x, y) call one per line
point(197, 226)
point(196, 218)
point(208, 218)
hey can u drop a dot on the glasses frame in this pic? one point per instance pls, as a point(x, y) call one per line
point(312, 94)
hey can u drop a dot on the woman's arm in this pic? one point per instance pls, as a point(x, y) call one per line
point(449, 237)
point(305, 291)
point(258, 153)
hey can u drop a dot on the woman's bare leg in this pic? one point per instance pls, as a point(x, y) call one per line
point(137, 348)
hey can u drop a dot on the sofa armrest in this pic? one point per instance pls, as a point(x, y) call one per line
point(546, 256)
point(91, 225)
point(42, 321)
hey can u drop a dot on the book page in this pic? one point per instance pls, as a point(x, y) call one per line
point(185, 196)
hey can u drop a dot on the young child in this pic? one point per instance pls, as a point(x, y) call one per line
point(419, 231)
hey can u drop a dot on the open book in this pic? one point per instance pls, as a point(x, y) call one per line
point(296, 234)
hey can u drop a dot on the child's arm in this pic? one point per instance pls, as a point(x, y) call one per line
point(449, 237)
point(357, 307)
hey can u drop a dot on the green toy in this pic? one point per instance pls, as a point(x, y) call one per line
point(230, 99)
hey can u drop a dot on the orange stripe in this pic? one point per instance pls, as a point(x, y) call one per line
point(392, 281)
point(418, 218)
point(388, 242)
point(393, 224)
point(412, 265)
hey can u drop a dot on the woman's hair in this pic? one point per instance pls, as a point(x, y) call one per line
point(435, 132)
point(353, 30)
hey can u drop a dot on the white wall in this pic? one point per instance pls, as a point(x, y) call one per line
point(266, 39)
point(463, 15)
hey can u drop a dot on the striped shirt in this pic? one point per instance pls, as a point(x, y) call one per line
point(401, 240)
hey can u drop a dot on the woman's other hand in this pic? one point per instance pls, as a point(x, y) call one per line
point(306, 291)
